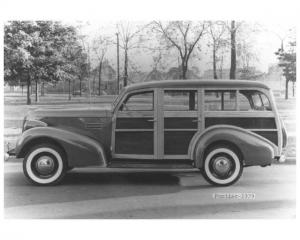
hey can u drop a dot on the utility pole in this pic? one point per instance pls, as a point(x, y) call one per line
point(233, 50)
point(118, 65)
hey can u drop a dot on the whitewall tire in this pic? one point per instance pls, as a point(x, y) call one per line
point(44, 165)
point(222, 166)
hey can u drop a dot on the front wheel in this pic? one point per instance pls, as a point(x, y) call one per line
point(44, 164)
point(222, 166)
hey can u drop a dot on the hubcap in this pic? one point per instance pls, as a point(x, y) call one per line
point(222, 165)
point(44, 165)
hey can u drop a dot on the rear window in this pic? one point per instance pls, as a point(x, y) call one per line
point(253, 100)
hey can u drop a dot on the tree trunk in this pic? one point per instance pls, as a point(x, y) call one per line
point(69, 89)
point(286, 89)
point(80, 82)
point(184, 68)
point(100, 71)
point(233, 51)
point(43, 88)
point(214, 63)
point(73, 86)
point(125, 69)
point(221, 68)
point(293, 89)
point(28, 91)
point(94, 83)
point(36, 91)
point(118, 65)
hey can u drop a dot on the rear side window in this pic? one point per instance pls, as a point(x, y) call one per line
point(180, 100)
point(253, 100)
point(220, 100)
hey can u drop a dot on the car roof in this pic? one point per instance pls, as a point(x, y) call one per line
point(196, 84)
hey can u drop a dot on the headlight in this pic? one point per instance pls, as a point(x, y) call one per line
point(31, 123)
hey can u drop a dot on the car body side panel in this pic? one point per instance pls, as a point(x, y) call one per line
point(80, 150)
point(255, 149)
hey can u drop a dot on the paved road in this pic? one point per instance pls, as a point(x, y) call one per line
point(118, 193)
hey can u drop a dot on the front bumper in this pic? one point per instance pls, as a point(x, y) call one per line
point(9, 154)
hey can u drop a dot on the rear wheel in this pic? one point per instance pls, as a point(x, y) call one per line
point(44, 164)
point(222, 166)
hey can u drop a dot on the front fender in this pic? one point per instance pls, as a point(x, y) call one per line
point(255, 149)
point(80, 150)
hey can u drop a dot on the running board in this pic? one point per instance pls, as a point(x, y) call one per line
point(158, 164)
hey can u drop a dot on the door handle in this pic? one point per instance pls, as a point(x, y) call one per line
point(198, 120)
point(151, 120)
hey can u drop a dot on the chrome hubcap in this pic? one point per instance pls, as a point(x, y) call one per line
point(222, 165)
point(45, 165)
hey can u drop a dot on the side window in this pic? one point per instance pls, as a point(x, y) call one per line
point(142, 101)
point(180, 100)
point(257, 103)
point(253, 100)
point(220, 100)
point(244, 102)
point(266, 102)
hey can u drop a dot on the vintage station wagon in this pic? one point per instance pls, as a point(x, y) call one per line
point(216, 126)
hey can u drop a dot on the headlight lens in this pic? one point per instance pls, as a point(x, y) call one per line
point(31, 123)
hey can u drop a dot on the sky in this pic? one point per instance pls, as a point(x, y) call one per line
point(265, 42)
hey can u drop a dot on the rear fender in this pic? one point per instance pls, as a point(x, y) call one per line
point(255, 149)
point(80, 150)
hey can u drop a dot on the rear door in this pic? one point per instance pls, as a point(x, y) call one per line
point(180, 121)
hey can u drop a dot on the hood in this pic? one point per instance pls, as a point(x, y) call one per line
point(68, 117)
point(67, 111)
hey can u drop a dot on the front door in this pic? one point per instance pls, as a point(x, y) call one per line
point(135, 127)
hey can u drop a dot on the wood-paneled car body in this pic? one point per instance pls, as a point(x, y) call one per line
point(217, 126)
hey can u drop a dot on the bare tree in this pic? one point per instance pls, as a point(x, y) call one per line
point(130, 38)
point(222, 53)
point(216, 32)
point(85, 65)
point(181, 35)
point(246, 53)
point(233, 27)
point(100, 46)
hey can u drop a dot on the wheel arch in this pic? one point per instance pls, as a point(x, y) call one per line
point(252, 148)
point(39, 140)
point(226, 143)
point(79, 150)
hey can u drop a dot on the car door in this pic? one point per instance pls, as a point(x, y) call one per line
point(134, 126)
point(181, 121)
